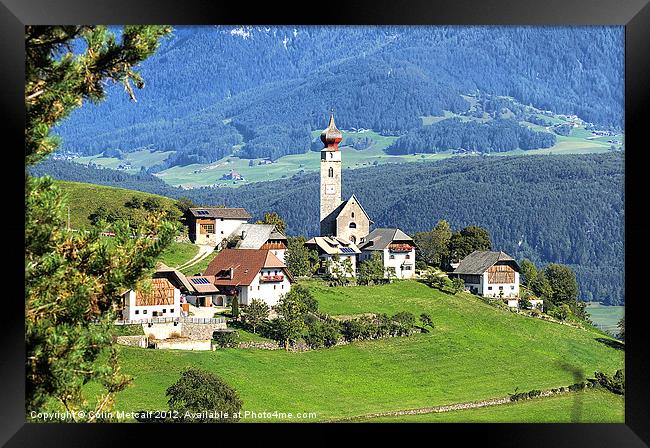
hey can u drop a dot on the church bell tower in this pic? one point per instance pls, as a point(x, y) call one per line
point(330, 170)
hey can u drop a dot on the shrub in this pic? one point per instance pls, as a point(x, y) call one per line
point(561, 312)
point(174, 334)
point(426, 320)
point(322, 333)
point(203, 397)
point(226, 338)
point(615, 384)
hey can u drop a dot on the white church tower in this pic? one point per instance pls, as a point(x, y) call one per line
point(330, 170)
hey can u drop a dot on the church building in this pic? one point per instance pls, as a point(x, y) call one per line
point(342, 219)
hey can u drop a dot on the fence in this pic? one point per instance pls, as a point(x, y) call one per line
point(164, 320)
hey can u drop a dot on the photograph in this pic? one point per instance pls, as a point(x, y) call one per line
point(325, 223)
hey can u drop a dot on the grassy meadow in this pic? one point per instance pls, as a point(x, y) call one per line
point(475, 352)
point(84, 199)
point(588, 406)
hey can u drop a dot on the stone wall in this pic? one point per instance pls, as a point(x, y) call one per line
point(132, 341)
point(200, 331)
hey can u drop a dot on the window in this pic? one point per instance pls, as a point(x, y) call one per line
point(282, 287)
point(144, 312)
point(137, 311)
point(207, 228)
point(512, 286)
point(330, 172)
point(353, 214)
point(353, 225)
point(258, 287)
point(275, 286)
point(164, 310)
point(500, 288)
point(407, 267)
point(392, 257)
point(489, 288)
point(408, 256)
point(250, 288)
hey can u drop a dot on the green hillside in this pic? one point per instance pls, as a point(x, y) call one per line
point(594, 406)
point(475, 352)
point(84, 199)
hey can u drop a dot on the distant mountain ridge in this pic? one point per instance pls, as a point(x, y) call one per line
point(262, 90)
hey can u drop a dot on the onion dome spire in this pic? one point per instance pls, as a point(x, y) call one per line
point(331, 136)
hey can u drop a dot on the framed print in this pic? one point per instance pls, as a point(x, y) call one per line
point(376, 218)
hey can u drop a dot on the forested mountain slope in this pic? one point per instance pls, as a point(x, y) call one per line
point(262, 90)
point(565, 209)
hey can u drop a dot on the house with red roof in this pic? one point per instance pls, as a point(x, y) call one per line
point(249, 274)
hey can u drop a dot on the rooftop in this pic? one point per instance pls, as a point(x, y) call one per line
point(379, 239)
point(480, 261)
point(220, 212)
point(243, 264)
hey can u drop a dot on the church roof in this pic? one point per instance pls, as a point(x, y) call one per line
point(331, 136)
point(379, 239)
point(353, 198)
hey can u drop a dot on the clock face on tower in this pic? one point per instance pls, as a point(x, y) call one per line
point(329, 189)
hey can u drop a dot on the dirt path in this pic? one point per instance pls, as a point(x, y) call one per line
point(204, 251)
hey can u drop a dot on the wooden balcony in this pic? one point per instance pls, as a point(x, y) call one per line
point(271, 278)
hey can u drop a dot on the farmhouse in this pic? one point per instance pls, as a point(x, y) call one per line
point(334, 251)
point(211, 225)
point(163, 300)
point(490, 274)
point(259, 236)
point(347, 219)
point(396, 248)
point(249, 274)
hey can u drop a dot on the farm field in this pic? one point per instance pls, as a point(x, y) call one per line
point(136, 159)
point(605, 317)
point(475, 352)
point(589, 406)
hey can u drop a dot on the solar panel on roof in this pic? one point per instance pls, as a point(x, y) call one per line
point(201, 212)
point(347, 250)
point(200, 281)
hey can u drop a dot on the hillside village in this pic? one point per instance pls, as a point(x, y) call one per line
point(250, 260)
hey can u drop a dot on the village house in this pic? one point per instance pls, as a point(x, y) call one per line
point(249, 274)
point(162, 300)
point(491, 274)
point(212, 225)
point(142, 306)
point(333, 251)
point(259, 236)
point(396, 248)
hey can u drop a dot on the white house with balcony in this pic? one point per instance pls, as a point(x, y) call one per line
point(492, 274)
point(396, 248)
point(249, 274)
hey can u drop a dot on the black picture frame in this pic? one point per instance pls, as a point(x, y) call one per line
point(633, 14)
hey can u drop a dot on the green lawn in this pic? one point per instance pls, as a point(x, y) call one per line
point(475, 352)
point(589, 406)
point(200, 266)
point(178, 253)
